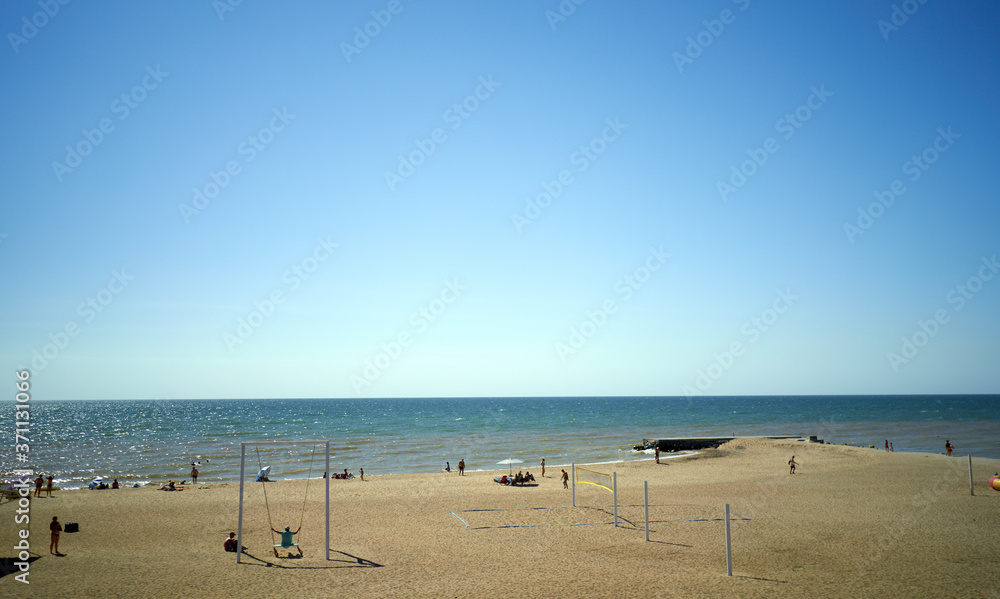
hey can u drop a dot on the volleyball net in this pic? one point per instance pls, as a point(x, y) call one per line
point(596, 478)
point(586, 476)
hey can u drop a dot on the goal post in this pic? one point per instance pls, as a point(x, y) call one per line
point(243, 478)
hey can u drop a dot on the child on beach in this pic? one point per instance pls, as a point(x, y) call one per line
point(565, 479)
point(792, 465)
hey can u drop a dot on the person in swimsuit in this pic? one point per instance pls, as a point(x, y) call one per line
point(792, 465)
point(56, 528)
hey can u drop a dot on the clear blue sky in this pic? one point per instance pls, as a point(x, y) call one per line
point(494, 199)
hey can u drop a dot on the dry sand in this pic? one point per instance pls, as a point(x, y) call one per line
point(851, 522)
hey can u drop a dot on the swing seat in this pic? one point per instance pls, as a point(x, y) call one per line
point(288, 546)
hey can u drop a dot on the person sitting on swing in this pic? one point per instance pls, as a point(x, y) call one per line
point(287, 539)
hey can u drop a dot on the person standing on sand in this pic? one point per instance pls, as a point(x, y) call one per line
point(461, 467)
point(657, 454)
point(362, 474)
point(948, 447)
point(565, 479)
point(887, 445)
point(543, 467)
point(38, 485)
point(48, 489)
point(792, 465)
point(56, 528)
point(194, 474)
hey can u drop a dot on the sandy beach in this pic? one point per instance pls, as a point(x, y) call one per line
point(851, 522)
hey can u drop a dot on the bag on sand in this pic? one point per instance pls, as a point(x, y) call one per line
point(72, 527)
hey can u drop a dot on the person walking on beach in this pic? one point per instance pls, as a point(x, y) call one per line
point(948, 447)
point(887, 445)
point(56, 528)
point(565, 479)
point(543, 467)
point(792, 465)
point(461, 467)
point(362, 473)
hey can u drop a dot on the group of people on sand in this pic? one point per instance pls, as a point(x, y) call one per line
point(101, 486)
point(345, 475)
point(38, 486)
point(517, 479)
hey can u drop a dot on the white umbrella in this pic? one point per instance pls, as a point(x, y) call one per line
point(510, 462)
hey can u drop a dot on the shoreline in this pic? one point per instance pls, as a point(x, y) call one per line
point(145, 483)
point(851, 522)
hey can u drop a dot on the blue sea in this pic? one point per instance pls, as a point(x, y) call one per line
point(143, 442)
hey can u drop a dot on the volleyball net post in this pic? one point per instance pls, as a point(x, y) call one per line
point(326, 476)
point(614, 495)
point(645, 505)
point(572, 476)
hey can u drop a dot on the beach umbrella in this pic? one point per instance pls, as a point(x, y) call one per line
point(510, 462)
point(263, 473)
